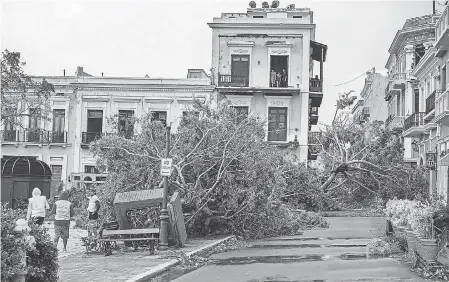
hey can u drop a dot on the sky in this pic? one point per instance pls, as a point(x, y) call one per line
point(165, 38)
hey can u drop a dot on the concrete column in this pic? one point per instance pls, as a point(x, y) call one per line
point(77, 144)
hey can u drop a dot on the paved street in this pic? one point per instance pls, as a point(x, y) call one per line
point(334, 254)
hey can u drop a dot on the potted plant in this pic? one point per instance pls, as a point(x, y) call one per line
point(429, 245)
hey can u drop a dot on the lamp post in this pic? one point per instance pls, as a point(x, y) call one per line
point(163, 233)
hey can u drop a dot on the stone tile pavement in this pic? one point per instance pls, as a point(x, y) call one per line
point(74, 245)
point(121, 265)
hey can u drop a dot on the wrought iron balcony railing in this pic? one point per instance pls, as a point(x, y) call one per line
point(88, 137)
point(315, 85)
point(10, 135)
point(430, 101)
point(233, 80)
point(414, 120)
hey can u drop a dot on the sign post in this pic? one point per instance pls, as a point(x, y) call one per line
point(165, 172)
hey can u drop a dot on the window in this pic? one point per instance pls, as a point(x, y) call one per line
point(95, 121)
point(258, 17)
point(90, 169)
point(277, 124)
point(56, 171)
point(279, 71)
point(297, 17)
point(125, 123)
point(159, 116)
point(58, 126)
point(240, 70)
point(242, 112)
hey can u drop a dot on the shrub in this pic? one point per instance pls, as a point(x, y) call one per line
point(385, 246)
point(42, 261)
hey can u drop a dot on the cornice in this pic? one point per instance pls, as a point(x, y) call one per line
point(152, 89)
point(262, 25)
point(401, 33)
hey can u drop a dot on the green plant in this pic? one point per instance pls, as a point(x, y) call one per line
point(42, 261)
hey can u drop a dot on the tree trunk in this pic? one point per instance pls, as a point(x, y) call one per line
point(328, 182)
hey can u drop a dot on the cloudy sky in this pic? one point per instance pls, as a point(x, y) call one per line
point(165, 38)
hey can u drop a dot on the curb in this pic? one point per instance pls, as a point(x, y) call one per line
point(165, 266)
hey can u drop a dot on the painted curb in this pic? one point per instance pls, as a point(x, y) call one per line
point(165, 266)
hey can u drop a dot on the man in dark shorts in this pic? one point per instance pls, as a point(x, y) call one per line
point(63, 210)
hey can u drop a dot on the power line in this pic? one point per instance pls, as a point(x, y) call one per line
point(355, 78)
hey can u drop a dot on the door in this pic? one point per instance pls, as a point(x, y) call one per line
point(240, 70)
point(94, 125)
point(58, 126)
point(277, 124)
point(416, 94)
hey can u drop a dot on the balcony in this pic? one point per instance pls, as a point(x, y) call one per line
point(398, 80)
point(84, 179)
point(31, 137)
point(414, 125)
point(89, 137)
point(10, 136)
point(442, 108)
point(395, 123)
point(430, 105)
point(316, 91)
point(229, 80)
point(313, 151)
point(313, 115)
point(313, 137)
point(441, 33)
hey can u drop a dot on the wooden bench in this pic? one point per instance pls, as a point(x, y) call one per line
point(125, 235)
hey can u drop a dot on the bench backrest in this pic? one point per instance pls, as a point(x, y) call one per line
point(131, 231)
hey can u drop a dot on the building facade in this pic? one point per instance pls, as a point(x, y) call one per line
point(371, 106)
point(266, 62)
point(79, 111)
point(405, 100)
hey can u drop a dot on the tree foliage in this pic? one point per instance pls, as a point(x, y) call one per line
point(21, 95)
point(365, 162)
point(225, 172)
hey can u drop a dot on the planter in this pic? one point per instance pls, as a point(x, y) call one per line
point(429, 249)
point(410, 240)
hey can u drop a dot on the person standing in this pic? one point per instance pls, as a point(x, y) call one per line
point(273, 78)
point(37, 205)
point(92, 208)
point(63, 210)
point(284, 78)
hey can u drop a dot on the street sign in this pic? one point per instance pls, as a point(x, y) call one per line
point(166, 167)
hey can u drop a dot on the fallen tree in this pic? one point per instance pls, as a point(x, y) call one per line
point(227, 175)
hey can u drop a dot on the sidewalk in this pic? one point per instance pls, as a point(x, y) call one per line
point(74, 244)
point(124, 265)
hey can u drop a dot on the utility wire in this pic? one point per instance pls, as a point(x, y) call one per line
point(355, 78)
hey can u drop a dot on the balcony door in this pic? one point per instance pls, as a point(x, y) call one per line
point(240, 69)
point(416, 99)
point(277, 124)
point(125, 123)
point(278, 71)
point(58, 126)
point(9, 132)
point(94, 125)
point(443, 78)
point(34, 124)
